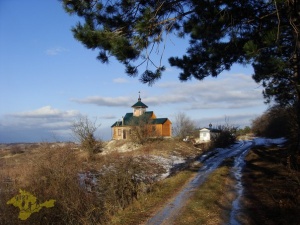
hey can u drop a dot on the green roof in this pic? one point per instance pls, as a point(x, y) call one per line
point(117, 124)
point(160, 120)
point(139, 104)
point(129, 119)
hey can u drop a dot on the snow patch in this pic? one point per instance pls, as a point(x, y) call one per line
point(168, 163)
point(269, 141)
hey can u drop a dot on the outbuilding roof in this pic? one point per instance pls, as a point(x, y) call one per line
point(213, 130)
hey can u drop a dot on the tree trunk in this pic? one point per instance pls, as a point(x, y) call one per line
point(297, 77)
point(295, 24)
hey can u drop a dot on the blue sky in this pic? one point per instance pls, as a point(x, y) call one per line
point(48, 79)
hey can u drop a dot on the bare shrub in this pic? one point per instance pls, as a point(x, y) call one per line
point(224, 136)
point(183, 126)
point(123, 178)
point(61, 180)
point(56, 177)
point(84, 130)
point(16, 149)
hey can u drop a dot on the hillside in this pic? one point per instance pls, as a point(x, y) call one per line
point(130, 173)
point(63, 172)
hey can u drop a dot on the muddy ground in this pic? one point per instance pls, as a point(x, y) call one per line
point(272, 189)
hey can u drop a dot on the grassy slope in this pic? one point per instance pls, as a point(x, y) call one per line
point(212, 202)
point(272, 191)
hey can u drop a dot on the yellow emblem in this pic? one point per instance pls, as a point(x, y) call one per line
point(27, 203)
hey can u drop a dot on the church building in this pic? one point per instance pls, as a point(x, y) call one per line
point(155, 127)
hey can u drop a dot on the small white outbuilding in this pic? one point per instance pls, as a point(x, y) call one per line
point(204, 135)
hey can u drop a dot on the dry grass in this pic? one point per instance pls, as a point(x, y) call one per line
point(211, 204)
point(149, 203)
point(47, 173)
point(51, 172)
point(272, 191)
point(172, 147)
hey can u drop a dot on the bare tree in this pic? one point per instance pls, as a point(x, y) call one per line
point(84, 130)
point(276, 122)
point(142, 128)
point(183, 125)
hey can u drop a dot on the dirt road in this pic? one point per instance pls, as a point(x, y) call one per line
point(210, 162)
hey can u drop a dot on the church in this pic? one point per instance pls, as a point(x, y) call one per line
point(155, 127)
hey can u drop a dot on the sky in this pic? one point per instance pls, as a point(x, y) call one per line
point(48, 80)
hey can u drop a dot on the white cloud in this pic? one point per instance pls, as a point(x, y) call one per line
point(55, 51)
point(120, 80)
point(37, 124)
point(105, 101)
point(107, 117)
point(232, 91)
point(57, 125)
point(46, 112)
